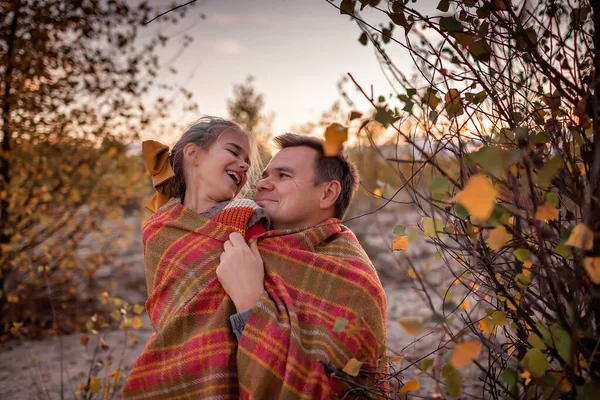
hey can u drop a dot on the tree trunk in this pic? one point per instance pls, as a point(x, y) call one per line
point(5, 233)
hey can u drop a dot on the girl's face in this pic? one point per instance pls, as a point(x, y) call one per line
point(219, 172)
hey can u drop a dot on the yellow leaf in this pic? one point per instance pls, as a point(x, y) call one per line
point(352, 367)
point(465, 305)
point(527, 264)
point(138, 309)
point(511, 349)
point(452, 97)
point(12, 298)
point(592, 267)
point(412, 326)
point(400, 243)
point(335, 136)
point(410, 386)
point(486, 325)
point(581, 237)
point(464, 353)
point(95, 384)
point(562, 382)
point(526, 375)
point(546, 213)
point(497, 238)
point(397, 358)
point(137, 322)
point(377, 192)
point(116, 315)
point(411, 273)
point(478, 197)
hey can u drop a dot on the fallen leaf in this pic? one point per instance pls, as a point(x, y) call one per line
point(352, 367)
point(464, 353)
point(478, 197)
point(84, 340)
point(581, 237)
point(137, 322)
point(95, 384)
point(400, 243)
point(497, 238)
point(410, 386)
point(412, 326)
point(592, 267)
point(138, 309)
point(335, 136)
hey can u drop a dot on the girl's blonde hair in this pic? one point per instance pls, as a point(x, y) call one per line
point(204, 133)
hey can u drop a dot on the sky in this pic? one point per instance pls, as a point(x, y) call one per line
point(297, 50)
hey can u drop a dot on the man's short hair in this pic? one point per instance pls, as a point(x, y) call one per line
point(337, 168)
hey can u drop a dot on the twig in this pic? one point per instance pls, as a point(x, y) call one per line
point(168, 11)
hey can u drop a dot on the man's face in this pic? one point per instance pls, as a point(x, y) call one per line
point(287, 191)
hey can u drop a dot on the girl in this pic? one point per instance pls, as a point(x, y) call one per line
point(194, 215)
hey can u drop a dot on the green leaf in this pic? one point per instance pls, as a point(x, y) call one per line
point(522, 281)
point(564, 251)
point(399, 230)
point(549, 171)
point(410, 92)
point(340, 324)
point(535, 362)
point(499, 318)
point(450, 24)
point(386, 35)
point(437, 318)
point(453, 379)
point(444, 5)
point(408, 106)
point(347, 7)
point(495, 160)
point(399, 19)
point(521, 254)
point(510, 376)
point(363, 39)
point(354, 115)
point(461, 211)
point(589, 391)
point(426, 363)
point(480, 50)
point(433, 116)
point(552, 199)
point(535, 341)
point(562, 342)
point(385, 116)
point(430, 226)
point(439, 184)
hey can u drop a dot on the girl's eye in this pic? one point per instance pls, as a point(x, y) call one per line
point(232, 152)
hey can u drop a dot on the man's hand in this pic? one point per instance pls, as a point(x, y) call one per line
point(241, 272)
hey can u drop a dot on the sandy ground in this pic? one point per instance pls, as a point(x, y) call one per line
point(35, 369)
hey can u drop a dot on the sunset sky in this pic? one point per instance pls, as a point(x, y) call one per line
point(297, 50)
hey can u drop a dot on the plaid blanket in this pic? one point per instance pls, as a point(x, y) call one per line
point(312, 276)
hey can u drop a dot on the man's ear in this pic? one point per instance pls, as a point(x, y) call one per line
point(190, 153)
point(330, 194)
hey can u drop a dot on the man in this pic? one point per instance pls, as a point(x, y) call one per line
point(316, 272)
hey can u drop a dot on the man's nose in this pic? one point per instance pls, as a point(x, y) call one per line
point(263, 184)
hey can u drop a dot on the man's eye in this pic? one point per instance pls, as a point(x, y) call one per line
point(282, 175)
